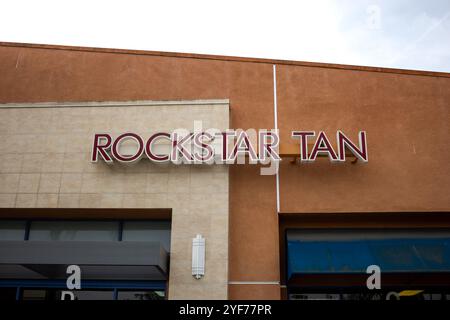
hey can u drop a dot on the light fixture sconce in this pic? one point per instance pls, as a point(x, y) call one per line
point(198, 257)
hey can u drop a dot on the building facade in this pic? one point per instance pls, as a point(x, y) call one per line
point(308, 231)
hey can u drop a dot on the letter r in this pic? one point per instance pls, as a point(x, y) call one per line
point(98, 148)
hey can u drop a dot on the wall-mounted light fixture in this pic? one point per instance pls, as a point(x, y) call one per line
point(198, 256)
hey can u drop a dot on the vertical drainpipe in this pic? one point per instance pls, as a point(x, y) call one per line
point(275, 112)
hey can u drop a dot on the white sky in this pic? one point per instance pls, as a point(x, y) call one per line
point(412, 34)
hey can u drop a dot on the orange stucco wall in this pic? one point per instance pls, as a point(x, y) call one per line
point(405, 114)
point(406, 118)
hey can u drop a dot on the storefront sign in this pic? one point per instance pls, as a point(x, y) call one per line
point(227, 147)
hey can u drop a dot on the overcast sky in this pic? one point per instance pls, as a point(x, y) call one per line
point(411, 34)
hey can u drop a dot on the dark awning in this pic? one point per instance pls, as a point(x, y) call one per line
point(97, 260)
point(353, 257)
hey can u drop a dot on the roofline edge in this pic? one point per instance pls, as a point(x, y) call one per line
point(227, 58)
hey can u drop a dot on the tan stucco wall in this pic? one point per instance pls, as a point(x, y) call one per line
point(45, 163)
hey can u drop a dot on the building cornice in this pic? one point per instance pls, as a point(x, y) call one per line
point(229, 58)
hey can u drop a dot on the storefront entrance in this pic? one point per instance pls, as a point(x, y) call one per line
point(92, 290)
point(332, 263)
point(118, 259)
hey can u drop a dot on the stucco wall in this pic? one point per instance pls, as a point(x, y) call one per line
point(406, 118)
point(45, 163)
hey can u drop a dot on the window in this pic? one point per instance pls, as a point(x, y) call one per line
point(74, 230)
point(140, 295)
point(87, 230)
point(12, 230)
point(147, 231)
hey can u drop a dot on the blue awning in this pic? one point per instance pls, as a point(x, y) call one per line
point(354, 256)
